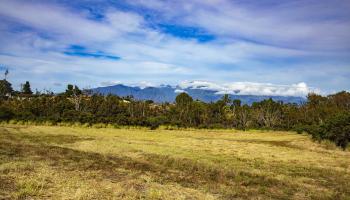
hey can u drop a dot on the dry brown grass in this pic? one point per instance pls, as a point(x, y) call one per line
point(46, 162)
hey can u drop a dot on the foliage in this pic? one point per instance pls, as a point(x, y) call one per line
point(26, 88)
point(336, 128)
point(5, 87)
point(155, 122)
point(75, 105)
point(5, 113)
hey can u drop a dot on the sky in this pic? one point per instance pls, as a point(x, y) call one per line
point(274, 47)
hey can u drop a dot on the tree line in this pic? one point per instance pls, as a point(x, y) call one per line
point(324, 117)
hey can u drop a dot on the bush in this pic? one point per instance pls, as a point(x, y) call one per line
point(99, 125)
point(315, 131)
point(155, 122)
point(335, 129)
point(5, 114)
point(216, 126)
point(70, 116)
point(299, 129)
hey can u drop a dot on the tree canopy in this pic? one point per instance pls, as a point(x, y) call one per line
point(5, 87)
point(26, 88)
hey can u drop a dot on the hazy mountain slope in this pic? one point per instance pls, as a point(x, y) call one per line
point(168, 94)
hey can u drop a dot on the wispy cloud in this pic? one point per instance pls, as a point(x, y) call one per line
point(310, 24)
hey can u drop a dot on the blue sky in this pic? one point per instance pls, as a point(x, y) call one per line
point(299, 46)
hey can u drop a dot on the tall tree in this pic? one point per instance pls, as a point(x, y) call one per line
point(6, 73)
point(243, 116)
point(183, 104)
point(268, 113)
point(76, 94)
point(26, 88)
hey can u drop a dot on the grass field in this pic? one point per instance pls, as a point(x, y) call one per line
point(47, 162)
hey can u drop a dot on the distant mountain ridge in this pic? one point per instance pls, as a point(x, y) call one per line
point(167, 93)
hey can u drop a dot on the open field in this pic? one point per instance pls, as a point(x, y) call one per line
point(43, 162)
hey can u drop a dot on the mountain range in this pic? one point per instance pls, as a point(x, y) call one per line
point(167, 93)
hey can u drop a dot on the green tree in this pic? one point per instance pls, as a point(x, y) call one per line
point(76, 95)
point(341, 100)
point(183, 99)
point(236, 103)
point(5, 88)
point(316, 109)
point(198, 115)
point(72, 90)
point(336, 129)
point(26, 88)
point(183, 104)
point(243, 116)
point(268, 113)
point(6, 73)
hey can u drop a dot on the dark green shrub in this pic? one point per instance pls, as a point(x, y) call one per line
point(336, 129)
point(299, 129)
point(155, 122)
point(70, 115)
point(216, 126)
point(316, 131)
point(5, 114)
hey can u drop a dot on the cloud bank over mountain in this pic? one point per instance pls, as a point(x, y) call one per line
point(234, 88)
point(249, 88)
point(209, 92)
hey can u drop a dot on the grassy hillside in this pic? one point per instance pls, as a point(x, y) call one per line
point(42, 162)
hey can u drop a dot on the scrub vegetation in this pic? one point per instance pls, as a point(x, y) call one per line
point(60, 162)
point(324, 117)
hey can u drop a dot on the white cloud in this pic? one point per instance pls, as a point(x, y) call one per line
point(68, 24)
point(235, 88)
point(109, 83)
point(179, 91)
point(143, 84)
point(249, 88)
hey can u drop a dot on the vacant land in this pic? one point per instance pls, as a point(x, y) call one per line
point(40, 162)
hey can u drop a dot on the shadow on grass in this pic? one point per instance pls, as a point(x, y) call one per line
point(280, 143)
point(7, 186)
